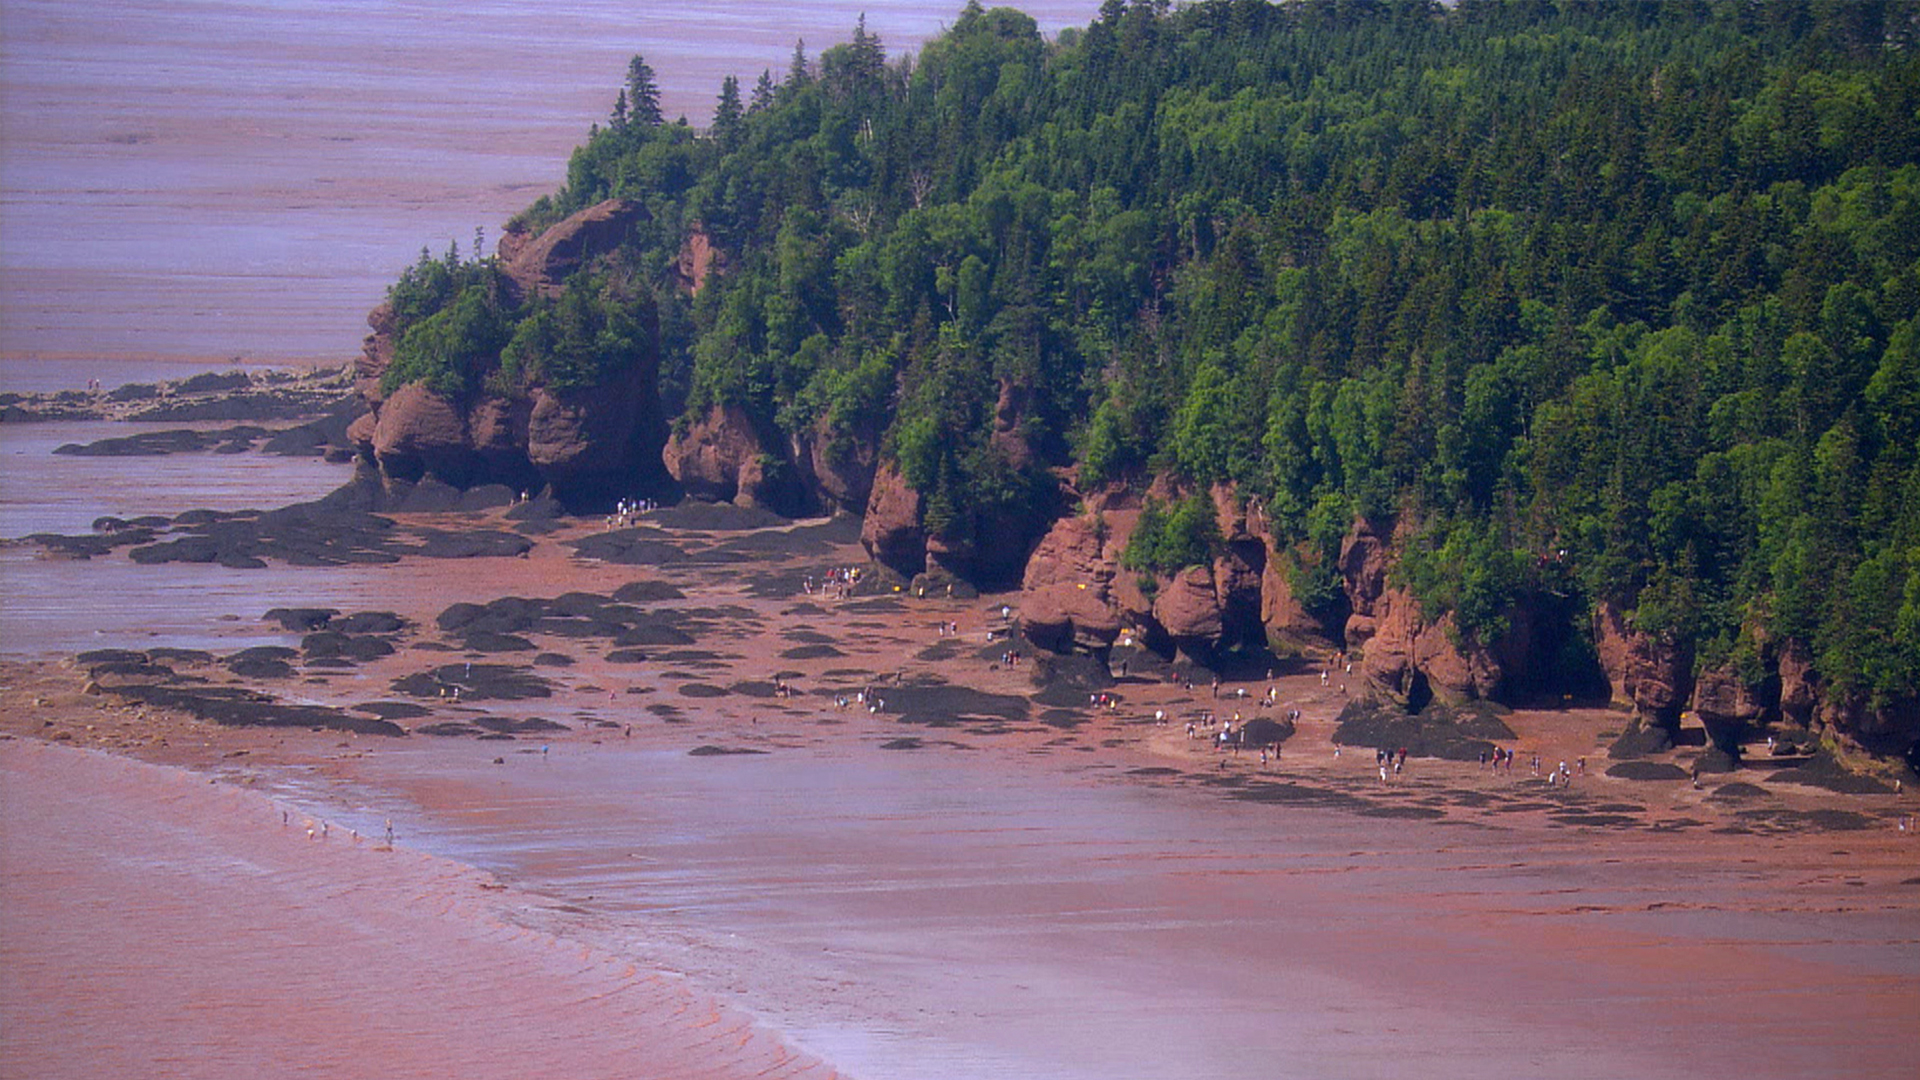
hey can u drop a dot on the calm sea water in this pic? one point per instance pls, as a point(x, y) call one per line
point(220, 179)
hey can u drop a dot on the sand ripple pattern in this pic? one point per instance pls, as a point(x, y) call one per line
point(154, 924)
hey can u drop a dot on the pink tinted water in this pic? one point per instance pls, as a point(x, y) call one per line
point(218, 178)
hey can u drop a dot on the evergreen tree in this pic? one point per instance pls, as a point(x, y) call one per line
point(728, 122)
point(643, 94)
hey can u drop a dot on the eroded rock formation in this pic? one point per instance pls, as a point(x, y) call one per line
point(590, 446)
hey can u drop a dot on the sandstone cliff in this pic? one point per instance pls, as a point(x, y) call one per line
point(590, 446)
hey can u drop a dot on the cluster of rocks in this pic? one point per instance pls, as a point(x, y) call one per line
point(324, 533)
point(255, 397)
point(503, 624)
point(168, 679)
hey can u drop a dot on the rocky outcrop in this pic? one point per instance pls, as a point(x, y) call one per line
point(836, 466)
point(1187, 609)
point(891, 530)
point(1290, 628)
point(416, 432)
point(1405, 655)
point(698, 259)
point(722, 458)
point(1009, 437)
point(1729, 707)
point(540, 265)
point(1066, 598)
point(1652, 674)
point(591, 446)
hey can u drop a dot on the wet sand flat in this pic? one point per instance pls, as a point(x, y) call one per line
point(154, 925)
point(908, 865)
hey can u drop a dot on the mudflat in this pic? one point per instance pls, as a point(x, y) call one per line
point(675, 798)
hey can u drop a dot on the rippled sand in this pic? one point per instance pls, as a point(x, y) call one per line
point(155, 925)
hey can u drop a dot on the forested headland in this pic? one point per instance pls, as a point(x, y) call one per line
point(1543, 328)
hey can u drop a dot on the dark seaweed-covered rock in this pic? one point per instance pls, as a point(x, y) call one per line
point(488, 641)
point(721, 751)
point(629, 547)
point(477, 682)
point(626, 656)
point(698, 516)
point(1065, 679)
point(1647, 770)
point(473, 544)
point(235, 707)
point(447, 729)
point(86, 547)
point(1823, 771)
point(142, 668)
point(647, 592)
point(542, 507)
point(214, 382)
point(811, 652)
point(302, 619)
point(1452, 734)
point(460, 616)
point(940, 704)
point(96, 657)
point(333, 644)
point(369, 622)
point(394, 710)
point(1641, 739)
point(528, 726)
point(168, 654)
point(553, 659)
point(653, 633)
point(146, 444)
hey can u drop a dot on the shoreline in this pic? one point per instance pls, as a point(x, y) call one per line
point(717, 619)
point(405, 960)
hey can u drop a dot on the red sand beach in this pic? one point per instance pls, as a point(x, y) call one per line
point(154, 924)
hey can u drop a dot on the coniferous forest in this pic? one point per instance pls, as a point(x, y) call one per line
point(1613, 303)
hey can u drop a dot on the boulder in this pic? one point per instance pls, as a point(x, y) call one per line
point(541, 264)
point(718, 458)
point(1066, 596)
point(838, 466)
point(1652, 674)
point(891, 530)
point(417, 431)
point(1187, 607)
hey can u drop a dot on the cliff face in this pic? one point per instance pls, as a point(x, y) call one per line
point(1075, 595)
point(590, 446)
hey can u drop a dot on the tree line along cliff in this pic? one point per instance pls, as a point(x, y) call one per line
point(1519, 347)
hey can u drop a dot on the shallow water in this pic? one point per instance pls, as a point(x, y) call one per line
point(52, 607)
point(226, 178)
point(940, 914)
